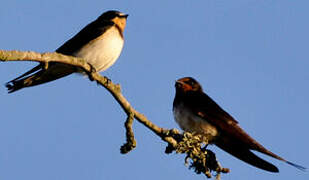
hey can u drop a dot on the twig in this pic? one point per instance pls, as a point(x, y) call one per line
point(203, 161)
point(131, 143)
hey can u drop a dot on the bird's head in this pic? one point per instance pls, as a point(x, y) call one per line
point(116, 17)
point(187, 84)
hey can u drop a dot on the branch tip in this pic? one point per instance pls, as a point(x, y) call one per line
point(131, 143)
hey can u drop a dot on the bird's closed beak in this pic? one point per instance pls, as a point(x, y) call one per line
point(125, 15)
point(179, 84)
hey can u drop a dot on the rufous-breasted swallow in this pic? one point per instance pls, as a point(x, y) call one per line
point(99, 44)
point(196, 112)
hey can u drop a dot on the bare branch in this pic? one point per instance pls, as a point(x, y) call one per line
point(131, 143)
point(202, 160)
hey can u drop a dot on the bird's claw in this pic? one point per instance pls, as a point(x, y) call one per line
point(92, 70)
point(108, 81)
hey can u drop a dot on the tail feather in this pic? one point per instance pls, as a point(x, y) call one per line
point(297, 166)
point(55, 71)
point(36, 68)
point(258, 147)
point(243, 153)
point(267, 152)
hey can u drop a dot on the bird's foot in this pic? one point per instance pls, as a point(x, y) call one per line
point(108, 81)
point(90, 73)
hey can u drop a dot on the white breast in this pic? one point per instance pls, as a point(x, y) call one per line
point(103, 52)
point(190, 123)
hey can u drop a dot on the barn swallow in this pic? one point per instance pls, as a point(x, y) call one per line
point(99, 44)
point(196, 112)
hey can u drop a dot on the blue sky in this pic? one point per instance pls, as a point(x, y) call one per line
point(251, 56)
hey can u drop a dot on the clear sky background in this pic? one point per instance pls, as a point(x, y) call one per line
point(251, 56)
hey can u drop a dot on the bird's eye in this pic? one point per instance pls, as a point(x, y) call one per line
point(114, 16)
point(191, 83)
